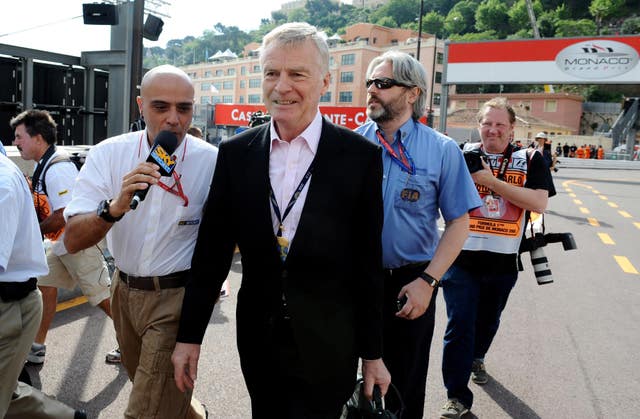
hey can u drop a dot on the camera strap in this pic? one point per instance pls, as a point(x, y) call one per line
point(506, 157)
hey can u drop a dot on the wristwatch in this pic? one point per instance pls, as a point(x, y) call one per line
point(429, 279)
point(103, 212)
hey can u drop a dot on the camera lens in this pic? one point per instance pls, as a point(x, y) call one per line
point(541, 266)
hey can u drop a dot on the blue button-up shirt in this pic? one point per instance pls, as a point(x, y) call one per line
point(413, 203)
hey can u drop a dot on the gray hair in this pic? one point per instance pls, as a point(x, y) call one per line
point(407, 70)
point(295, 33)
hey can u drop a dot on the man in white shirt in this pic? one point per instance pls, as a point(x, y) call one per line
point(151, 246)
point(22, 259)
point(54, 176)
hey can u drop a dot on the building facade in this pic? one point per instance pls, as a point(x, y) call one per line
point(238, 80)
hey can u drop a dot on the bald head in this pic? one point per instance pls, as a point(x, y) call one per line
point(166, 101)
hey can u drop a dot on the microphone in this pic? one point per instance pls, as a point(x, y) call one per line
point(160, 154)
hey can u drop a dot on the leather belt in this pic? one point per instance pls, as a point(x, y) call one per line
point(410, 269)
point(154, 283)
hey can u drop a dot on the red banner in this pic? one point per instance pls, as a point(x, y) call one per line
point(239, 115)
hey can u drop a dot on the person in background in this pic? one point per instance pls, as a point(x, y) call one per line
point(22, 259)
point(195, 131)
point(477, 285)
point(54, 176)
point(424, 175)
point(301, 198)
point(151, 246)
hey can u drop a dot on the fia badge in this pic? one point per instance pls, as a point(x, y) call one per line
point(410, 195)
point(492, 204)
point(283, 247)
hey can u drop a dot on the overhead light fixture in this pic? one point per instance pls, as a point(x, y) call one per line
point(99, 14)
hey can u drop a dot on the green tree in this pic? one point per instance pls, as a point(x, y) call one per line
point(401, 11)
point(582, 27)
point(461, 18)
point(519, 16)
point(631, 26)
point(493, 15)
point(475, 36)
point(602, 9)
point(433, 22)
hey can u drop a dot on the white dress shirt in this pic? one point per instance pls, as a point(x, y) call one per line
point(21, 252)
point(158, 237)
point(288, 163)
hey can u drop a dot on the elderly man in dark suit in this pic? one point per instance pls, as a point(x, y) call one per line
point(301, 198)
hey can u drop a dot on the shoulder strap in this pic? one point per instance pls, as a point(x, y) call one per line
point(43, 162)
point(57, 159)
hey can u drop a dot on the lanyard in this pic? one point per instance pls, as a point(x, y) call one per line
point(176, 188)
point(292, 201)
point(506, 157)
point(404, 161)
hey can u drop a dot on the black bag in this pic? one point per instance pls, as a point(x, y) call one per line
point(359, 407)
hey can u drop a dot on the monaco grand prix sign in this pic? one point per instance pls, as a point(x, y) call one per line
point(560, 60)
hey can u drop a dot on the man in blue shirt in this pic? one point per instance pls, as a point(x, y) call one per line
point(424, 175)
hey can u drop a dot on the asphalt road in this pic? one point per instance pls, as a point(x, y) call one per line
point(564, 350)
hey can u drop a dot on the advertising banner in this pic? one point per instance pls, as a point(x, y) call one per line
point(239, 115)
point(596, 60)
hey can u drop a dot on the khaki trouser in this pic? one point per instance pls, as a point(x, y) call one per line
point(19, 321)
point(146, 324)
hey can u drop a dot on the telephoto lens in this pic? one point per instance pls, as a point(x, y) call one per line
point(541, 266)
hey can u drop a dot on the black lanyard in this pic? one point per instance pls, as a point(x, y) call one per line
point(41, 164)
point(506, 157)
point(292, 201)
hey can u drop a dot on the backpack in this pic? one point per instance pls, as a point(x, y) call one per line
point(40, 202)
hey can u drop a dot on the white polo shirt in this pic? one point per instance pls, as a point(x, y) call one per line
point(158, 237)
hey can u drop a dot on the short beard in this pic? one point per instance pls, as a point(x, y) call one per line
point(382, 114)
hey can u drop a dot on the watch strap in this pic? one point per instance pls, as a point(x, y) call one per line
point(429, 279)
point(104, 214)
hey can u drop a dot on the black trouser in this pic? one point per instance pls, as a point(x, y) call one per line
point(279, 389)
point(407, 343)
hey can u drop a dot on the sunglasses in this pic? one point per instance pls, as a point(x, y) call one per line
point(385, 83)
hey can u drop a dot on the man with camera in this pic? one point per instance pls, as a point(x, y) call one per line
point(424, 176)
point(477, 285)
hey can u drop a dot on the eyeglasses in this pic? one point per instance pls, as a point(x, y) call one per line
point(385, 83)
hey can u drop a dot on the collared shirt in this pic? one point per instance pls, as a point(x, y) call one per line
point(59, 180)
point(158, 237)
point(413, 203)
point(21, 252)
point(288, 163)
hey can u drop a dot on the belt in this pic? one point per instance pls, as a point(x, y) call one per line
point(410, 269)
point(154, 283)
point(15, 291)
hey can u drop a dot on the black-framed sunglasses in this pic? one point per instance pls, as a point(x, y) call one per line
point(385, 83)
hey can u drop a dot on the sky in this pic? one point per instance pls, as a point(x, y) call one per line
point(57, 25)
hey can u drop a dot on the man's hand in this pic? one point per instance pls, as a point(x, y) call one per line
point(185, 365)
point(418, 294)
point(141, 177)
point(375, 372)
point(485, 176)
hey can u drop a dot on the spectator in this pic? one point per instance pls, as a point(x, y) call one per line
point(54, 176)
point(151, 246)
point(195, 131)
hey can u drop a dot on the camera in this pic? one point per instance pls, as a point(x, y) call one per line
point(534, 245)
point(474, 159)
point(258, 118)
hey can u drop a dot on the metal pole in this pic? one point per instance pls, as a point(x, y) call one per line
point(433, 82)
point(136, 58)
point(420, 29)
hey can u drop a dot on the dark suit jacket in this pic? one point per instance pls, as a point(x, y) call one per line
point(332, 277)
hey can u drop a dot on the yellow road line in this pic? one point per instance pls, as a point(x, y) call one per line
point(71, 303)
point(595, 191)
point(568, 190)
point(606, 239)
point(625, 214)
point(637, 225)
point(604, 198)
point(577, 202)
point(572, 195)
point(594, 222)
point(625, 265)
point(612, 204)
point(584, 210)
